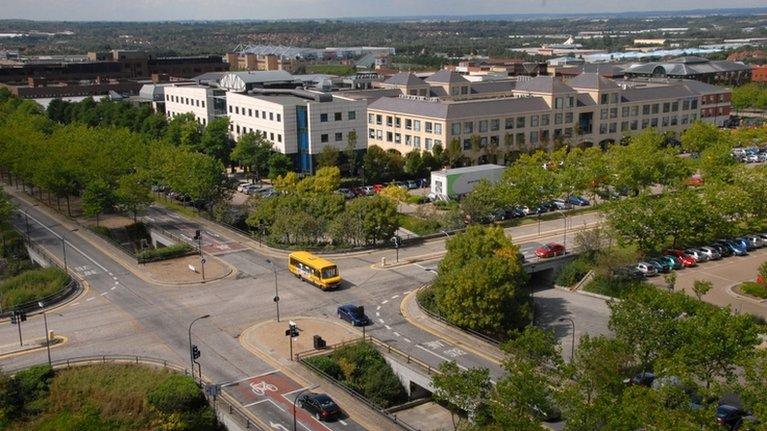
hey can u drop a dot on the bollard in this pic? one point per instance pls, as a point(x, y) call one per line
point(383, 262)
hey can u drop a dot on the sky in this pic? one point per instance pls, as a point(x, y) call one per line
point(153, 10)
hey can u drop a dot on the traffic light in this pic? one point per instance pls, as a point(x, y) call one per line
point(17, 317)
point(13, 318)
point(292, 330)
point(197, 234)
point(195, 352)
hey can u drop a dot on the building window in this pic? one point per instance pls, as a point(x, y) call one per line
point(397, 122)
point(428, 126)
point(655, 108)
point(389, 136)
point(634, 124)
point(674, 106)
point(337, 116)
point(438, 142)
point(408, 124)
point(427, 144)
point(230, 109)
point(533, 137)
point(379, 119)
point(438, 128)
point(634, 111)
point(408, 140)
point(545, 119)
point(238, 129)
point(664, 121)
point(614, 98)
point(379, 135)
point(279, 137)
point(666, 107)
point(324, 137)
point(604, 99)
point(558, 103)
point(370, 118)
point(279, 118)
point(271, 136)
point(645, 123)
point(256, 113)
point(625, 111)
point(416, 142)
point(625, 126)
point(613, 127)
point(250, 112)
point(520, 138)
point(509, 123)
point(645, 109)
point(263, 115)
point(467, 144)
point(455, 128)
point(397, 138)
point(323, 118)
point(568, 117)
point(557, 119)
point(495, 125)
point(520, 122)
point(654, 122)
point(603, 128)
point(483, 126)
point(468, 127)
point(613, 113)
point(674, 120)
point(371, 133)
point(694, 104)
point(603, 114)
point(534, 121)
point(389, 120)
point(339, 136)
point(351, 115)
point(417, 125)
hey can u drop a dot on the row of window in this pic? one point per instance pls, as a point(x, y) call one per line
point(255, 113)
point(243, 129)
point(338, 116)
point(338, 137)
point(494, 125)
point(410, 124)
point(185, 101)
point(201, 121)
point(648, 122)
point(409, 140)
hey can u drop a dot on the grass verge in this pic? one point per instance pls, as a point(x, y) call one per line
point(754, 289)
point(608, 286)
point(31, 285)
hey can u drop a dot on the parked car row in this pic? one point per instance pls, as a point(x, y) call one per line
point(675, 259)
point(352, 192)
point(519, 211)
point(750, 154)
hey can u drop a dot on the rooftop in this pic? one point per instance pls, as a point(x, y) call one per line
point(460, 109)
point(446, 77)
point(405, 78)
point(543, 84)
point(592, 81)
point(465, 169)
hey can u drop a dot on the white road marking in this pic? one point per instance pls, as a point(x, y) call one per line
point(113, 288)
point(74, 303)
point(115, 278)
point(381, 320)
point(342, 422)
point(384, 301)
point(439, 356)
point(67, 242)
point(407, 340)
point(90, 299)
point(117, 282)
point(378, 308)
point(396, 334)
point(388, 327)
point(234, 382)
point(395, 297)
point(406, 292)
point(378, 314)
point(104, 293)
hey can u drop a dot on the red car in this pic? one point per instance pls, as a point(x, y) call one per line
point(686, 259)
point(550, 250)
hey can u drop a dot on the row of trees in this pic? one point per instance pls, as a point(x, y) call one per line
point(309, 212)
point(698, 353)
point(110, 167)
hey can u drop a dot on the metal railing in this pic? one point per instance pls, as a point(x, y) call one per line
point(222, 403)
point(435, 316)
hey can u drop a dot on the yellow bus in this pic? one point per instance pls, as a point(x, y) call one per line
point(316, 270)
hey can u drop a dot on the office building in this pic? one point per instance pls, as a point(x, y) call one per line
point(717, 72)
point(545, 111)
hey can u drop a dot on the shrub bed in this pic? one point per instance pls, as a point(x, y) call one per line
point(31, 285)
point(574, 271)
point(163, 253)
point(754, 289)
point(361, 368)
point(104, 397)
point(609, 286)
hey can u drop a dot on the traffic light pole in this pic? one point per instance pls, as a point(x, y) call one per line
point(191, 354)
point(202, 258)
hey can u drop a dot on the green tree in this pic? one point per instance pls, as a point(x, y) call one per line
point(701, 288)
point(215, 140)
point(97, 198)
point(481, 202)
point(351, 152)
point(253, 152)
point(700, 136)
point(378, 217)
point(464, 391)
point(133, 194)
point(480, 282)
point(279, 164)
point(328, 157)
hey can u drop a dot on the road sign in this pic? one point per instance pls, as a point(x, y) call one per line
point(202, 260)
point(276, 299)
point(212, 390)
point(195, 352)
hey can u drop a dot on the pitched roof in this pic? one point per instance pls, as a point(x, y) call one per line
point(592, 81)
point(446, 77)
point(405, 78)
point(640, 94)
point(543, 84)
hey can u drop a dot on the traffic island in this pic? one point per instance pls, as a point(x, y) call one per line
point(30, 345)
point(186, 270)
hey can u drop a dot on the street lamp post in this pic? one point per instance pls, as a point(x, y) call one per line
point(47, 338)
point(191, 354)
point(276, 292)
point(396, 240)
point(564, 242)
point(294, 404)
point(572, 345)
point(198, 237)
point(64, 252)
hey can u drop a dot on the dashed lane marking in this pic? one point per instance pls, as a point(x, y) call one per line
point(388, 327)
point(396, 334)
point(395, 297)
point(381, 320)
point(113, 288)
point(378, 314)
point(439, 356)
point(407, 340)
point(104, 293)
point(90, 299)
point(378, 308)
point(384, 301)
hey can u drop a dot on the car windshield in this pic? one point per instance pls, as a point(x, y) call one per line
point(329, 272)
point(325, 401)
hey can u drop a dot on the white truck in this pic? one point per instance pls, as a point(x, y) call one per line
point(452, 183)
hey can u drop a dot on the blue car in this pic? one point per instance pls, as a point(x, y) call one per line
point(736, 247)
point(353, 314)
point(578, 200)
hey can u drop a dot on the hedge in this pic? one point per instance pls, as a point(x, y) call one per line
point(163, 253)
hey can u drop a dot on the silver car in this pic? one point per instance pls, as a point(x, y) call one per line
point(712, 253)
point(755, 240)
point(698, 255)
point(647, 269)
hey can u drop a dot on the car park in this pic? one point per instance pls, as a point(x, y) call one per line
point(551, 249)
point(320, 405)
point(353, 314)
point(710, 252)
point(560, 204)
point(723, 249)
point(661, 265)
point(697, 254)
point(578, 200)
point(626, 273)
point(755, 241)
point(674, 261)
point(687, 260)
point(736, 247)
point(647, 269)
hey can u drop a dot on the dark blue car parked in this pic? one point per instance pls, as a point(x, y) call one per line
point(578, 200)
point(353, 314)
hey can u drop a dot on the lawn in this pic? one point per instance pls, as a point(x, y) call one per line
point(121, 397)
point(331, 69)
point(31, 285)
point(418, 225)
point(754, 289)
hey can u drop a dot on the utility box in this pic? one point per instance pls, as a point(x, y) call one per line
point(319, 343)
point(452, 183)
